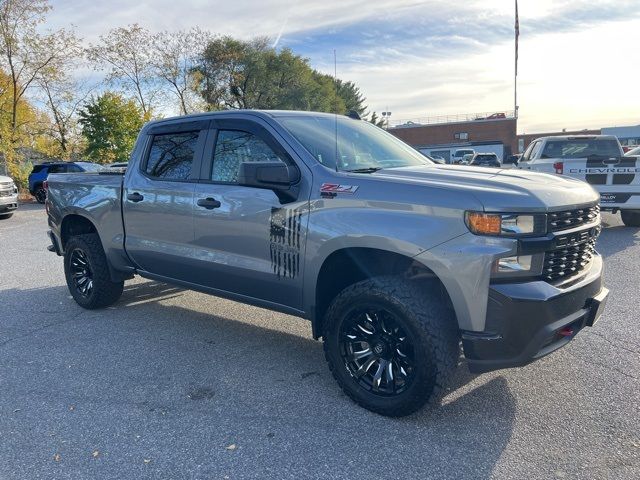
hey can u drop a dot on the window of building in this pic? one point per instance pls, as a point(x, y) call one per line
point(234, 147)
point(171, 155)
point(462, 136)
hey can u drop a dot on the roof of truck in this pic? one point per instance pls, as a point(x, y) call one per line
point(578, 137)
point(260, 113)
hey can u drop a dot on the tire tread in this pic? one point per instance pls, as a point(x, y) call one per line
point(434, 316)
point(105, 291)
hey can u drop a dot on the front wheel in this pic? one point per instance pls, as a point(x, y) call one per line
point(390, 344)
point(631, 218)
point(87, 273)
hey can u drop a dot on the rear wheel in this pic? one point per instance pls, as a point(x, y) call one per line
point(631, 218)
point(87, 273)
point(390, 345)
point(40, 194)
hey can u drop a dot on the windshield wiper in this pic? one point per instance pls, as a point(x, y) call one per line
point(364, 170)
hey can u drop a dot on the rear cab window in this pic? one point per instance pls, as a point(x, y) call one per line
point(171, 156)
point(581, 148)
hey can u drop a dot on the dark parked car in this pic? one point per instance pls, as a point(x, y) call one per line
point(485, 160)
point(40, 173)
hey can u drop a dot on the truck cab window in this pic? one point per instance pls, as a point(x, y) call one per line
point(171, 155)
point(234, 147)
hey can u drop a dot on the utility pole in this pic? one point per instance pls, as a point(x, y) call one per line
point(515, 77)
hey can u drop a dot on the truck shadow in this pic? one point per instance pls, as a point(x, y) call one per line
point(212, 379)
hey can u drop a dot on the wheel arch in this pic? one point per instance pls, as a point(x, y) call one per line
point(349, 265)
point(75, 224)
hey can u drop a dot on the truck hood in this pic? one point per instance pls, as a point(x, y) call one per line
point(500, 190)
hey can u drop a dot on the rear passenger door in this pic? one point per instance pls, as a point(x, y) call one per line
point(158, 199)
point(249, 241)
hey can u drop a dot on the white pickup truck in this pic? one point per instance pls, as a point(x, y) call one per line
point(596, 159)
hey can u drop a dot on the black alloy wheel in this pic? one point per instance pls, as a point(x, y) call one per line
point(41, 195)
point(86, 270)
point(81, 272)
point(391, 344)
point(377, 351)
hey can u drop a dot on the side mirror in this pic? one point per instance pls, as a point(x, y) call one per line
point(276, 176)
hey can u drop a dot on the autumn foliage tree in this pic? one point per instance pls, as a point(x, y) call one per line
point(110, 125)
point(27, 56)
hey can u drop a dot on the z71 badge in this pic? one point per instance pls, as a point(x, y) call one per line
point(332, 189)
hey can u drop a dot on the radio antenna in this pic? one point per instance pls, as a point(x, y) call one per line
point(335, 102)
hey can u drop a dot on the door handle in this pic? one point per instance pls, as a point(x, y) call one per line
point(209, 203)
point(135, 197)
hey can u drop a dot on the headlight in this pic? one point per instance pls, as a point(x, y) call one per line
point(506, 224)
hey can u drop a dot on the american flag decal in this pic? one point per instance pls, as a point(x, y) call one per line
point(285, 240)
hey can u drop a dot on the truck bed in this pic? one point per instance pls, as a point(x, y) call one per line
point(95, 196)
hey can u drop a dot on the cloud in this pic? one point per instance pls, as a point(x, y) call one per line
point(419, 57)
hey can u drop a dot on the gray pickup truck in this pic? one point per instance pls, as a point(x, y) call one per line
point(396, 261)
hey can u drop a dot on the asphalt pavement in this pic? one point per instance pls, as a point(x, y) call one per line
point(174, 384)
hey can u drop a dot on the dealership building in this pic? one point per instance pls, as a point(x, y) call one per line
point(485, 132)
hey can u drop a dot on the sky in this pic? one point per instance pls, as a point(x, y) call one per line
point(579, 60)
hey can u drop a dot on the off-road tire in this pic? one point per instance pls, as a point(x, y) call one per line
point(104, 291)
point(431, 324)
point(631, 218)
point(40, 194)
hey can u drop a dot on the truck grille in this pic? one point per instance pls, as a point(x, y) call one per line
point(572, 218)
point(569, 259)
point(7, 193)
point(6, 185)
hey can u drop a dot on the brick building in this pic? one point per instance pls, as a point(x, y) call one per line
point(441, 136)
point(486, 132)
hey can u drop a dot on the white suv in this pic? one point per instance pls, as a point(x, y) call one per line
point(8, 197)
point(596, 159)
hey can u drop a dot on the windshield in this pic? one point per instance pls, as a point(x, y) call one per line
point(581, 148)
point(355, 144)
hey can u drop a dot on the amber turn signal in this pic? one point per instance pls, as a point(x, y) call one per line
point(484, 223)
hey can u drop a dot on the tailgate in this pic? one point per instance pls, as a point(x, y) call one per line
point(617, 178)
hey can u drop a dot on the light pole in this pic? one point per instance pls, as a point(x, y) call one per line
point(386, 116)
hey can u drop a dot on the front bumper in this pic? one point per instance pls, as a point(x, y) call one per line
point(8, 203)
point(526, 321)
